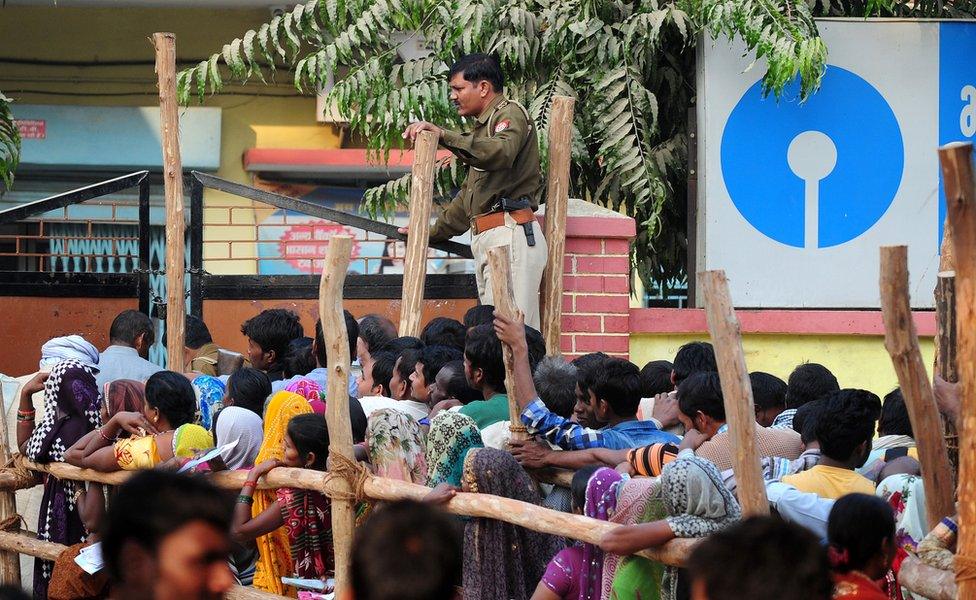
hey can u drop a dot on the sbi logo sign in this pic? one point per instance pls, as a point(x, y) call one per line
point(817, 174)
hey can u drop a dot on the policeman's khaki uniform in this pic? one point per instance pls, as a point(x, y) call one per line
point(503, 155)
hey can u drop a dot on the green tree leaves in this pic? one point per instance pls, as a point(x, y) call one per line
point(9, 143)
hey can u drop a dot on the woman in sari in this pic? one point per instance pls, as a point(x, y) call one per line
point(861, 536)
point(209, 392)
point(576, 573)
point(163, 431)
point(502, 560)
point(697, 502)
point(635, 577)
point(274, 555)
point(905, 494)
point(396, 446)
point(450, 437)
point(311, 391)
point(304, 516)
point(71, 409)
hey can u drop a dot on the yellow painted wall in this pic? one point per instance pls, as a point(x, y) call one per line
point(96, 35)
point(856, 361)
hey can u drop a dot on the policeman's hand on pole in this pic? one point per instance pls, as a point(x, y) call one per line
point(414, 129)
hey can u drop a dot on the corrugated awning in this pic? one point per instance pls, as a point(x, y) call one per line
point(354, 163)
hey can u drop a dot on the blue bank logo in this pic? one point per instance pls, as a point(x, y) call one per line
point(817, 174)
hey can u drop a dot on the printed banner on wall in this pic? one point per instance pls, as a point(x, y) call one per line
point(796, 198)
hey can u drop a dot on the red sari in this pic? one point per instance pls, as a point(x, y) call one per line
point(855, 585)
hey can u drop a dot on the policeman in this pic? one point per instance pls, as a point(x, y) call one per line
point(499, 196)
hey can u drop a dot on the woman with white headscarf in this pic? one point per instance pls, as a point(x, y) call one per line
point(70, 346)
point(244, 426)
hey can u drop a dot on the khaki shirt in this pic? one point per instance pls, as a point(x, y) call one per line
point(502, 154)
point(206, 360)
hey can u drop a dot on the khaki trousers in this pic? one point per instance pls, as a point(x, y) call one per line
point(527, 265)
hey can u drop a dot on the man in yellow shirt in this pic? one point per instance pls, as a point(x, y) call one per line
point(844, 429)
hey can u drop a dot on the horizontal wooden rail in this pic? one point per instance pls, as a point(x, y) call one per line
point(519, 513)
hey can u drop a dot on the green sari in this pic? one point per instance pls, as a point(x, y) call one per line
point(634, 577)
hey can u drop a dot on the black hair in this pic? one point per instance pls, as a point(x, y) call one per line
point(617, 381)
point(482, 314)
point(536, 346)
point(806, 418)
point(768, 391)
point(894, 415)
point(694, 357)
point(587, 361)
point(249, 388)
point(357, 421)
point(128, 325)
point(458, 386)
point(581, 480)
point(555, 382)
point(434, 358)
point(483, 350)
point(479, 67)
point(196, 333)
point(809, 382)
point(154, 503)
point(399, 344)
point(857, 526)
point(761, 557)
point(172, 394)
point(376, 331)
point(298, 360)
point(701, 391)
point(443, 331)
point(406, 550)
point(656, 378)
point(847, 421)
point(383, 363)
point(310, 434)
point(406, 364)
point(352, 333)
point(273, 329)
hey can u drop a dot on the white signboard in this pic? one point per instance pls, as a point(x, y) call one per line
point(796, 198)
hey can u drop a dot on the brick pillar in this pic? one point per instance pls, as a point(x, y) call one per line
point(596, 281)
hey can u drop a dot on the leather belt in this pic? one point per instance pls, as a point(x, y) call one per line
point(483, 223)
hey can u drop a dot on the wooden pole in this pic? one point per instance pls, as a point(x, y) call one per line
point(169, 117)
point(499, 265)
point(9, 561)
point(740, 411)
point(519, 513)
point(960, 189)
point(945, 326)
point(901, 341)
point(557, 207)
point(337, 412)
point(415, 260)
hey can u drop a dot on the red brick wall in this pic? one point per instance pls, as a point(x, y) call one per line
point(596, 285)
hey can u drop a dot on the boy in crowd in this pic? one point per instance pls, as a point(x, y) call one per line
point(769, 395)
point(895, 437)
point(375, 379)
point(844, 430)
point(399, 388)
point(442, 331)
point(320, 374)
point(807, 382)
point(167, 536)
point(268, 335)
point(248, 388)
point(375, 331)
point(429, 363)
point(129, 338)
point(612, 390)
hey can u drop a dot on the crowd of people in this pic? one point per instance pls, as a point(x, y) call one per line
point(649, 447)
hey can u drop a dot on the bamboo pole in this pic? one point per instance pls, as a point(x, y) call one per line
point(925, 580)
point(24, 544)
point(9, 561)
point(740, 411)
point(499, 265)
point(337, 413)
point(960, 189)
point(557, 207)
point(415, 259)
point(524, 514)
point(165, 44)
point(901, 341)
